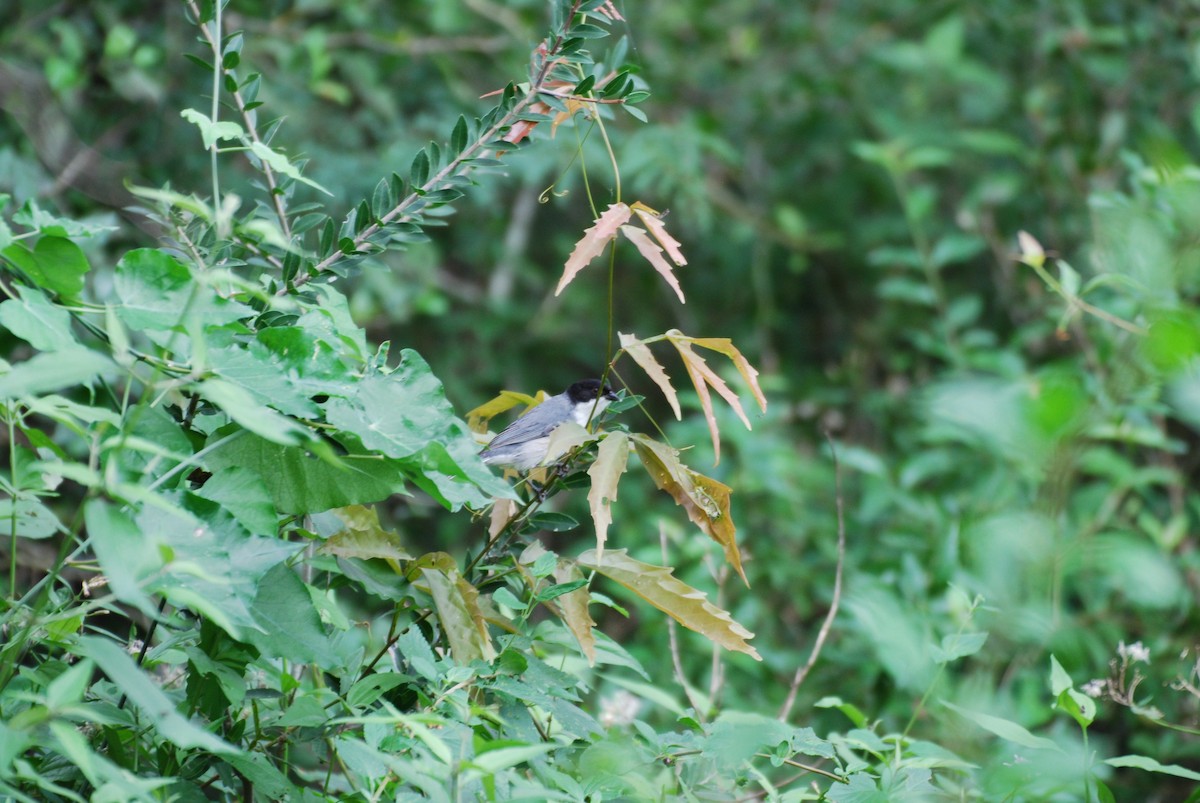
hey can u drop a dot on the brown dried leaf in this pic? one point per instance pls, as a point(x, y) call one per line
point(612, 459)
point(642, 355)
point(686, 605)
point(457, 604)
point(705, 500)
point(689, 358)
point(653, 222)
point(593, 242)
point(653, 255)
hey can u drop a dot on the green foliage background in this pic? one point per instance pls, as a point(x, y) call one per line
point(848, 181)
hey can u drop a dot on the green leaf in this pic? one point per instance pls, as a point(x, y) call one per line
point(55, 263)
point(45, 326)
point(369, 689)
point(457, 603)
point(34, 217)
point(242, 493)
point(419, 173)
point(291, 627)
point(1081, 707)
point(1151, 765)
point(160, 711)
point(1005, 729)
point(48, 372)
point(240, 406)
point(28, 518)
point(363, 537)
point(211, 132)
point(267, 780)
point(736, 736)
point(552, 521)
point(958, 645)
point(280, 164)
point(128, 555)
point(300, 482)
point(158, 292)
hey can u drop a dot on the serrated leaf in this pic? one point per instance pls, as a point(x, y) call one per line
point(612, 458)
point(705, 500)
point(128, 556)
point(653, 254)
point(291, 627)
point(657, 586)
point(242, 407)
point(593, 242)
point(654, 224)
point(642, 355)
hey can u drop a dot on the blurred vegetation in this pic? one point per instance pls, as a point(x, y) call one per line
point(1015, 428)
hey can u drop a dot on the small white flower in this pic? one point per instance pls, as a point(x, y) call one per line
point(621, 708)
point(1095, 688)
point(1134, 652)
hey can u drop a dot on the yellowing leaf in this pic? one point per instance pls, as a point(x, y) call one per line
point(565, 437)
point(478, 418)
point(653, 255)
point(705, 500)
point(457, 603)
point(677, 599)
point(502, 512)
point(1032, 252)
point(572, 607)
point(725, 346)
point(642, 355)
point(592, 244)
point(653, 222)
point(612, 459)
point(364, 538)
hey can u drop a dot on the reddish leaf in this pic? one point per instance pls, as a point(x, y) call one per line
point(653, 222)
point(642, 355)
point(593, 242)
point(653, 255)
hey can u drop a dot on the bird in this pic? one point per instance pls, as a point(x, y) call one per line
point(523, 443)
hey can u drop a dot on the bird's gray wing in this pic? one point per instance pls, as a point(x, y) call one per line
point(537, 423)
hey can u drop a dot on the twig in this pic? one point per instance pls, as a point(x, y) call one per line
point(251, 129)
point(803, 671)
point(673, 636)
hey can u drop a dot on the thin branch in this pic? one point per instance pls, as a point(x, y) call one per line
point(453, 168)
point(251, 128)
point(803, 671)
point(673, 636)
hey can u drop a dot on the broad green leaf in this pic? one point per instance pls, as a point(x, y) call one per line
point(28, 518)
point(1005, 729)
point(1081, 707)
point(306, 712)
point(240, 406)
point(244, 494)
point(612, 459)
point(34, 217)
point(159, 709)
point(129, 556)
point(45, 326)
point(1152, 765)
point(300, 482)
point(958, 645)
point(736, 736)
point(366, 691)
point(291, 628)
point(552, 521)
point(492, 761)
point(48, 372)
point(267, 779)
point(55, 263)
point(158, 292)
point(664, 591)
point(705, 500)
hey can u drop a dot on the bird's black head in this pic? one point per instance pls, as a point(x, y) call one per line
point(586, 390)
